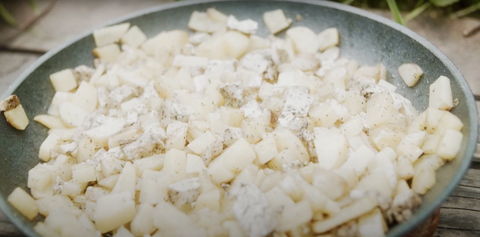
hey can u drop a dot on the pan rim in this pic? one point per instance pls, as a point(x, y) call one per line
point(400, 229)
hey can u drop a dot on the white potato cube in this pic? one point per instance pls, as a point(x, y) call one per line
point(350, 212)
point(50, 142)
point(40, 177)
point(441, 94)
point(17, 117)
point(86, 97)
point(331, 146)
point(201, 143)
point(175, 164)
point(184, 192)
point(410, 73)
point(210, 199)
point(380, 110)
point(372, 224)
point(113, 211)
point(295, 216)
point(328, 38)
point(72, 115)
point(236, 44)
point(266, 150)
point(231, 116)
point(199, 21)
point(276, 21)
point(142, 224)
point(108, 53)
point(331, 184)
point(49, 121)
point(448, 121)
point(304, 40)
point(423, 180)
point(134, 37)
point(190, 61)
point(431, 144)
point(431, 161)
point(450, 144)
point(24, 203)
point(126, 181)
point(253, 129)
point(433, 119)
point(404, 168)
point(218, 173)
point(110, 34)
point(85, 150)
point(216, 15)
point(168, 217)
point(359, 160)
point(63, 80)
point(154, 162)
point(83, 173)
point(195, 164)
point(238, 155)
point(44, 230)
point(123, 232)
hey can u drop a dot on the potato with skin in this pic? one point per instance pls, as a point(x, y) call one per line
point(17, 117)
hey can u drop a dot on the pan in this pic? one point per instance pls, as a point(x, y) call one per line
point(365, 37)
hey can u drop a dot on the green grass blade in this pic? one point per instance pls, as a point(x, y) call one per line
point(466, 11)
point(348, 2)
point(419, 3)
point(417, 11)
point(396, 13)
point(7, 17)
point(443, 3)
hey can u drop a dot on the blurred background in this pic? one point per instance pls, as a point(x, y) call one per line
point(30, 28)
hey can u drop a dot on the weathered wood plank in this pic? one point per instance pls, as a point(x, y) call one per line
point(462, 203)
point(471, 178)
point(446, 232)
point(459, 219)
point(466, 192)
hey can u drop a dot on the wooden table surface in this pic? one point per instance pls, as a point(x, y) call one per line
point(459, 215)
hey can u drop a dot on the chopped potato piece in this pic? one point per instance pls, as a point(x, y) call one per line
point(450, 144)
point(410, 73)
point(110, 34)
point(276, 21)
point(109, 53)
point(304, 39)
point(49, 121)
point(328, 38)
point(17, 117)
point(134, 37)
point(441, 94)
point(24, 203)
point(63, 80)
point(9, 103)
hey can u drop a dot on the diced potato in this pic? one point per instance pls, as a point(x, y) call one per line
point(304, 39)
point(238, 155)
point(134, 37)
point(17, 117)
point(278, 200)
point(359, 160)
point(63, 80)
point(410, 73)
point(372, 224)
point(100, 135)
point(199, 21)
point(210, 199)
point(142, 224)
point(175, 164)
point(72, 115)
point(201, 143)
point(24, 203)
point(123, 232)
point(110, 34)
point(450, 144)
point(85, 150)
point(50, 142)
point(176, 135)
point(433, 119)
point(404, 168)
point(350, 212)
point(190, 61)
point(448, 121)
point(423, 180)
point(431, 161)
point(331, 147)
point(377, 181)
point(253, 129)
point(236, 44)
point(276, 21)
point(45, 231)
point(154, 187)
point(49, 121)
point(295, 216)
point(82, 173)
point(109, 182)
point(380, 110)
point(165, 42)
point(431, 144)
point(108, 53)
point(331, 184)
point(168, 217)
point(213, 48)
point(328, 38)
point(441, 94)
point(266, 150)
point(126, 181)
point(154, 162)
point(231, 116)
point(9, 103)
point(86, 97)
point(216, 15)
point(387, 136)
point(195, 164)
point(113, 211)
point(409, 150)
point(40, 177)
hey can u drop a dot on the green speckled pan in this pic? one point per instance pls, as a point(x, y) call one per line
point(365, 37)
